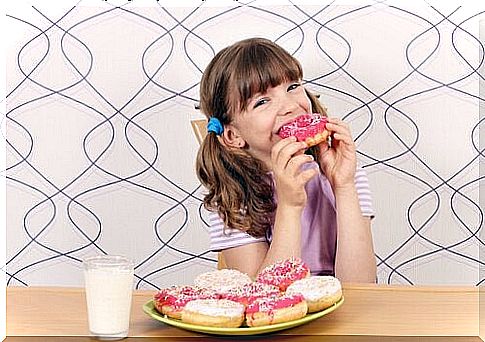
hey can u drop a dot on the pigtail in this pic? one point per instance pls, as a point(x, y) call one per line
point(239, 186)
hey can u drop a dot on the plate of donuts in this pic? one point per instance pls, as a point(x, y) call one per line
point(149, 309)
point(228, 302)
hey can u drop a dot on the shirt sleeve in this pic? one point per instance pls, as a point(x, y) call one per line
point(364, 193)
point(221, 238)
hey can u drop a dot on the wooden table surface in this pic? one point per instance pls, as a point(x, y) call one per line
point(392, 313)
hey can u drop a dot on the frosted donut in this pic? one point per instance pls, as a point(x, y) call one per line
point(222, 280)
point(171, 300)
point(320, 292)
point(285, 308)
point(250, 292)
point(220, 313)
point(283, 273)
point(307, 127)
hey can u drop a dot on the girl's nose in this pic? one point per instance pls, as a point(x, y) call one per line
point(287, 107)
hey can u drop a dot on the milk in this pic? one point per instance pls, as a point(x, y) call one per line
point(108, 297)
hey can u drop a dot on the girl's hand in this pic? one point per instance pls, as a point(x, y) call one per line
point(287, 157)
point(339, 161)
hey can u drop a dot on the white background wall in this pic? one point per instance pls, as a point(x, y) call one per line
point(100, 152)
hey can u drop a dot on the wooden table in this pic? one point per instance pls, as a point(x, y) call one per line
point(369, 313)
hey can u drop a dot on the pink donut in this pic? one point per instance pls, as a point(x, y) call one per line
point(170, 301)
point(250, 292)
point(284, 273)
point(307, 127)
point(272, 310)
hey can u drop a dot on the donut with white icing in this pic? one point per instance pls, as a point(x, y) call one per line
point(283, 273)
point(320, 292)
point(272, 310)
point(221, 313)
point(250, 292)
point(310, 128)
point(222, 280)
point(171, 300)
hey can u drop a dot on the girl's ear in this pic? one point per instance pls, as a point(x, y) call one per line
point(232, 137)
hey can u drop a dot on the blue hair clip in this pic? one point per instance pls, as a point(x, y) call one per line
point(215, 126)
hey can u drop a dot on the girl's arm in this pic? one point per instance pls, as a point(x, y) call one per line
point(246, 258)
point(286, 242)
point(355, 259)
point(287, 157)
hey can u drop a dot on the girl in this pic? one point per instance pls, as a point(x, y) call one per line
point(270, 200)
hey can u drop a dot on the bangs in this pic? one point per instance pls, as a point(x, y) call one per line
point(256, 68)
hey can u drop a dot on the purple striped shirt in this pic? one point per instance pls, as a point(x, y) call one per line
point(318, 224)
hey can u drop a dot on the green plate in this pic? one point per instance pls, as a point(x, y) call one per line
point(244, 330)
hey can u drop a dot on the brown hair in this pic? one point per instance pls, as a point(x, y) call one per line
point(239, 185)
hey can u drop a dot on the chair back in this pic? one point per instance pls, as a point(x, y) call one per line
point(200, 129)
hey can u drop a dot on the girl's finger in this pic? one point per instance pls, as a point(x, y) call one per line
point(339, 127)
point(345, 138)
point(284, 153)
point(276, 150)
point(296, 162)
point(306, 175)
point(337, 121)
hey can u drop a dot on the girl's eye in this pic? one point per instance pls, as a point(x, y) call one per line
point(293, 86)
point(260, 102)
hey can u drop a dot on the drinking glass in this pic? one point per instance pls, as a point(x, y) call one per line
point(109, 288)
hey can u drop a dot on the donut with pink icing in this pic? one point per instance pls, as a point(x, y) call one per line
point(283, 273)
point(272, 310)
point(222, 313)
point(171, 300)
point(320, 292)
point(310, 128)
point(250, 292)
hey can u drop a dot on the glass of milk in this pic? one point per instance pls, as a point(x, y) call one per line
point(109, 286)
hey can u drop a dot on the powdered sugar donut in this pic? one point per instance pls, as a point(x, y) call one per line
point(222, 280)
point(250, 292)
point(221, 313)
point(285, 308)
point(320, 292)
point(171, 300)
point(283, 273)
point(307, 127)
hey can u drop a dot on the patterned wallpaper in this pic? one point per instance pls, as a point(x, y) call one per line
point(100, 152)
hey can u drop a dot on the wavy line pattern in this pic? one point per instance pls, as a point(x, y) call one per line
point(100, 153)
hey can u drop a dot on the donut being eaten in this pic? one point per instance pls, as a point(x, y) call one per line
point(310, 128)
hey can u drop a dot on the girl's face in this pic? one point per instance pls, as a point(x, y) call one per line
point(258, 125)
